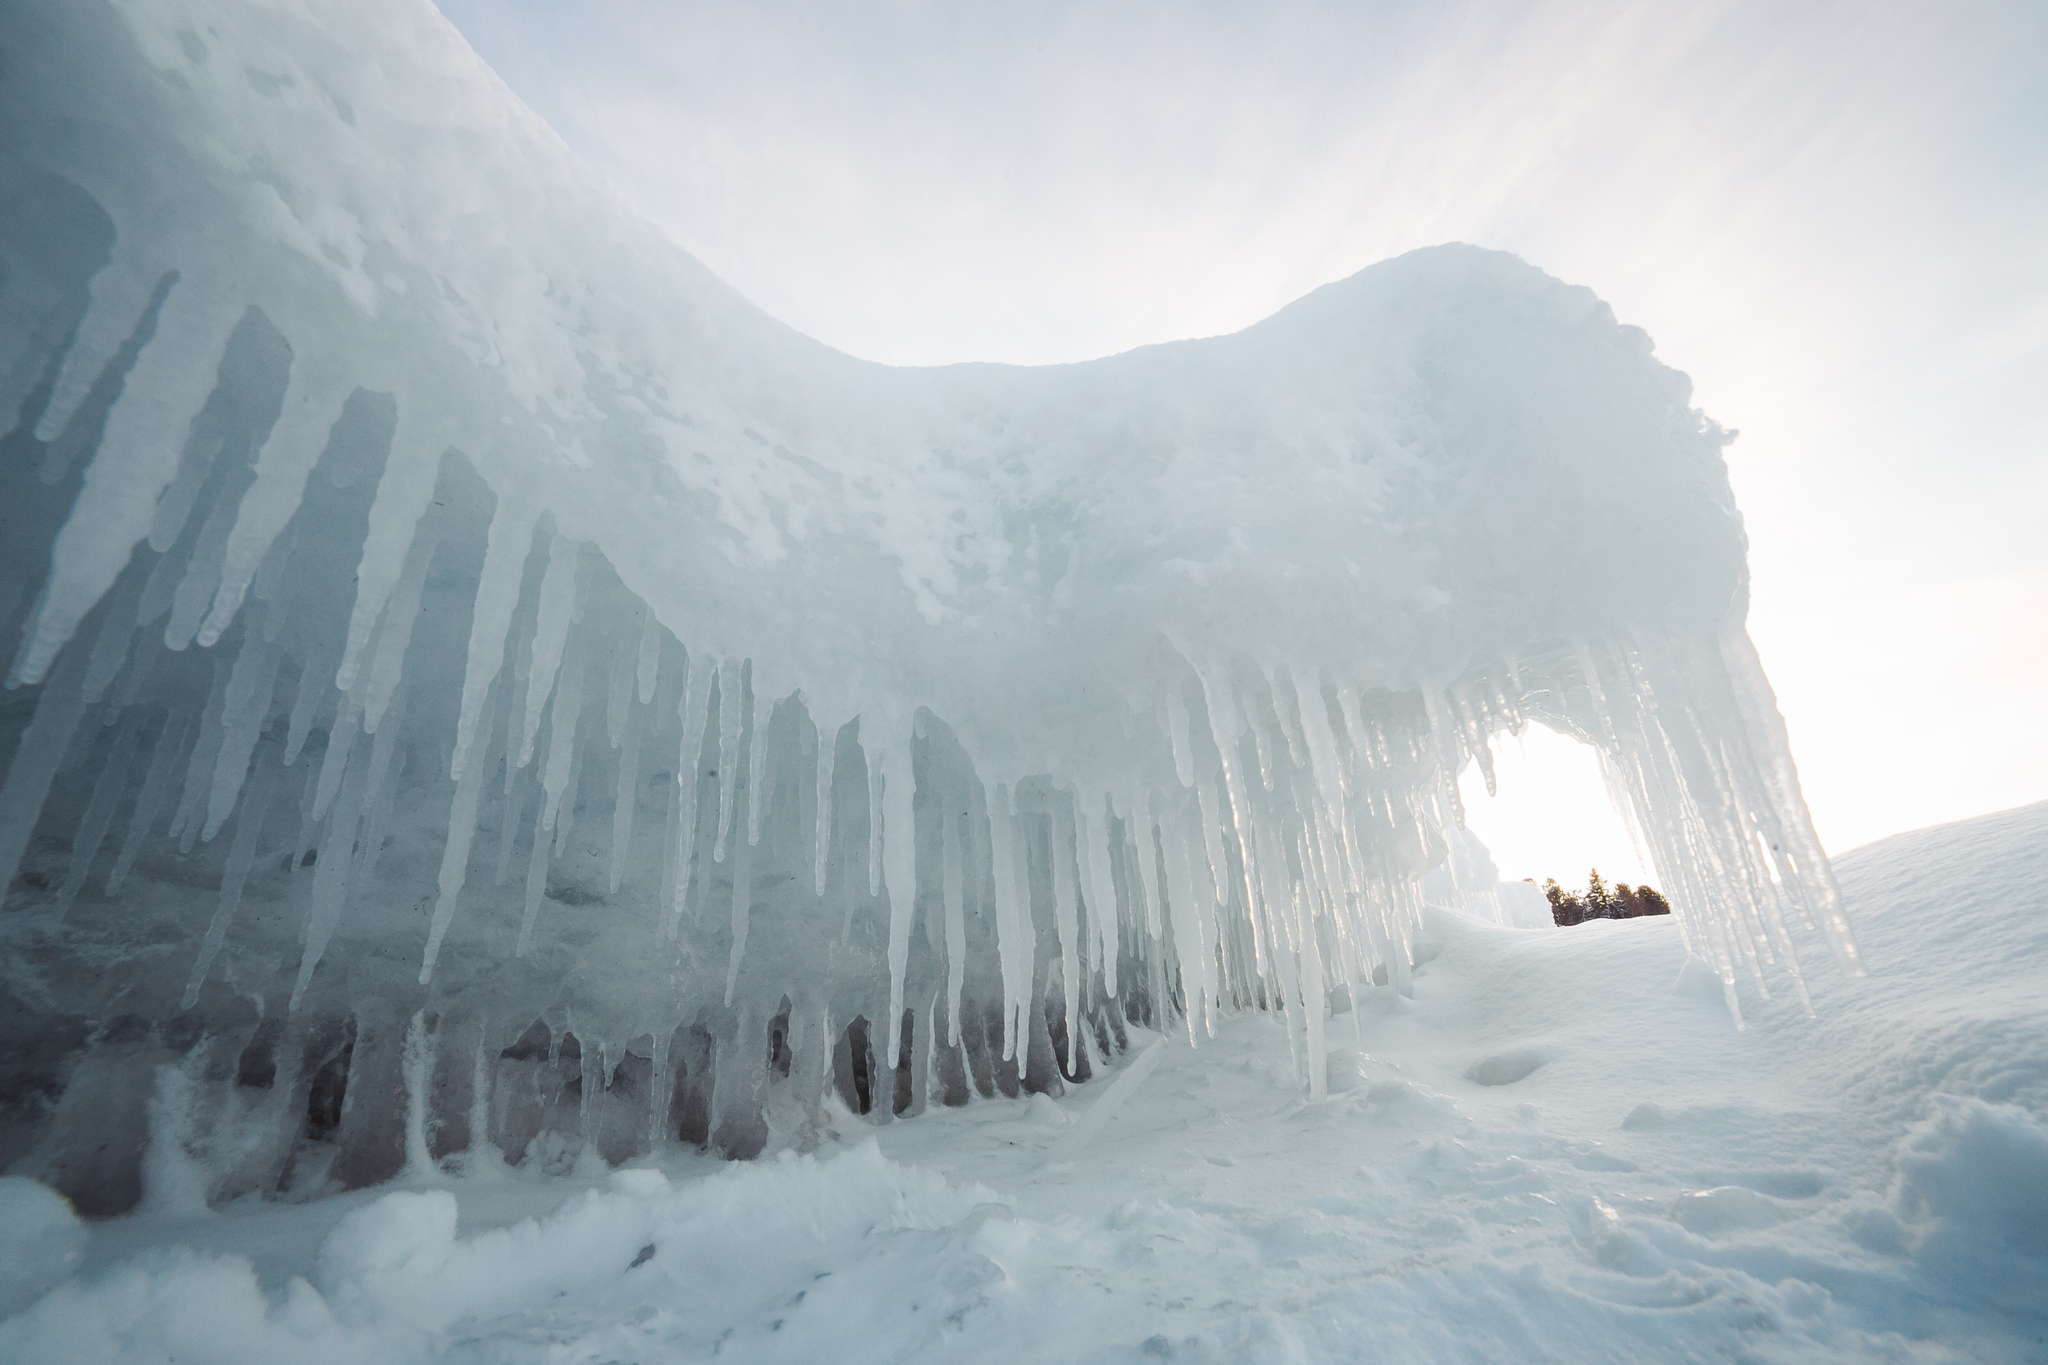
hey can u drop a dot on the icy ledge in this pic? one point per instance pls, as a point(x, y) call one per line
point(477, 679)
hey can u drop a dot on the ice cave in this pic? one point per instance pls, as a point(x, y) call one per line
point(474, 679)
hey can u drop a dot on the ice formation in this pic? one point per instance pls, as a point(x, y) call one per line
point(475, 681)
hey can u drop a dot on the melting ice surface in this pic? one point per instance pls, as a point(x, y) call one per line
point(477, 683)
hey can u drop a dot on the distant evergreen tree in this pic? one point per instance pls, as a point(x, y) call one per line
point(1600, 902)
point(1565, 908)
point(1622, 902)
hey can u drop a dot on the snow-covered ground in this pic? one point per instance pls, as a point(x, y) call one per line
point(1559, 1149)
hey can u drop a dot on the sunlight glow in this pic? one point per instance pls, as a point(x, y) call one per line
point(1552, 817)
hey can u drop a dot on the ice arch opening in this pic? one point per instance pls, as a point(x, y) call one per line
point(1553, 813)
point(476, 683)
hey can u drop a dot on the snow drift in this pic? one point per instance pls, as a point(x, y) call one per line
point(477, 682)
point(1864, 1185)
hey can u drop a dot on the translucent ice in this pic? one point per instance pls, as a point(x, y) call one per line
point(389, 504)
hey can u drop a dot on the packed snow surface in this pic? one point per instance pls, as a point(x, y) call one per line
point(1557, 1149)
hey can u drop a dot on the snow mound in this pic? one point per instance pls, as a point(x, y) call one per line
point(1973, 1179)
point(41, 1241)
point(393, 1281)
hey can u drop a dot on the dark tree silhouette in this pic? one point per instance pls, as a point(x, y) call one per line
point(1598, 902)
point(1565, 908)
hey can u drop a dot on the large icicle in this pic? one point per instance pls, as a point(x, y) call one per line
point(314, 690)
point(821, 837)
point(1015, 951)
point(625, 798)
point(618, 691)
point(394, 634)
point(107, 791)
point(1067, 916)
point(1188, 911)
point(730, 723)
point(469, 790)
point(36, 759)
point(245, 708)
point(953, 891)
point(318, 386)
point(404, 495)
point(137, 455)
point(694, 707)
point(890, 756)
point(648, 671)
point(536, 878)
point(874, 762)
point(741, 860)
point(562, 724)
point(497, 595)
point(332, 874)
point(335, 761)
point(1093, 848)
point(757, 768)
point(1143, 858)
point(121, 293)
point(386, 767)
point(550, 635)
point(173, 744)
point(110, 649)
point(1794, 825)
point(255, 806)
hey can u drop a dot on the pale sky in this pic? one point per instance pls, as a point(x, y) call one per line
point(1832, 216)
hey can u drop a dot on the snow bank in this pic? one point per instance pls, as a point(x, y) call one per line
point(393, 1281)
point(1974, 1179)
point(506, 694)
point(1658, 1187)
point(41, 1241)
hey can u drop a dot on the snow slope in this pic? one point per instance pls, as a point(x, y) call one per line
point(1557, 1149)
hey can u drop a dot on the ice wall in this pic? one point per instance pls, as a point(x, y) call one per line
point(474, 682)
